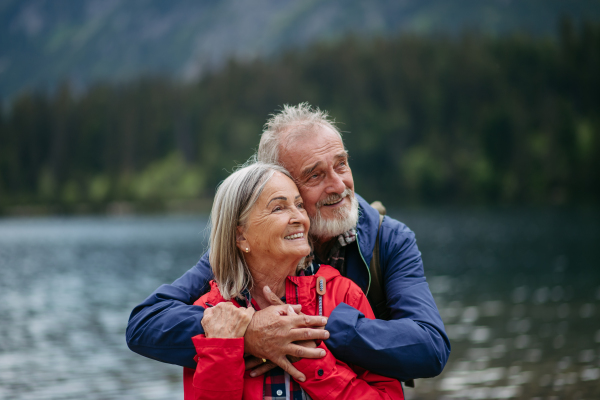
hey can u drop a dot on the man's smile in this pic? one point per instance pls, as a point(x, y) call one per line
point(334, 202)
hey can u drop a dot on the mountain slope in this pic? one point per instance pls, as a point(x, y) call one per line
point(43, 42)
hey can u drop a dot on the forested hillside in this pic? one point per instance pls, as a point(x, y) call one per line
point(469, 120)
point(43, 42)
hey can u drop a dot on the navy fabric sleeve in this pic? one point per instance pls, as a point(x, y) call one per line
point(413, 344)
point(163, 325)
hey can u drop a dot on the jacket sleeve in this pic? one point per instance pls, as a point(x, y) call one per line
point(162, 326)
point(220, 371)
point(413, 344)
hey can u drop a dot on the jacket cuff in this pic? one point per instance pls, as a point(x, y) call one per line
point(341, 325)
point(218, 358)
point(317, 368)
point(201, 342)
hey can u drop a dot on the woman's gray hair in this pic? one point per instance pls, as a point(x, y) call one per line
point(234, 200)
point(295, 120)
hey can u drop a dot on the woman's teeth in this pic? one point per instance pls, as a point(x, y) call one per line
point(294, 236)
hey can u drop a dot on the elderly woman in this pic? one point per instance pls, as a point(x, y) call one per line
point(259, 238)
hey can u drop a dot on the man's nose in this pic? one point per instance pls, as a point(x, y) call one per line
point(335, 183)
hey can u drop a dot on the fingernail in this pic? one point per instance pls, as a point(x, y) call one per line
point(253, 374)
point(326, 335)
point(323, 321)
point(323, 353)
point(302, 379)
point(267, 289)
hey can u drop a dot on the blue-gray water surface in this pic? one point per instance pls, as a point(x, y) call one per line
point(519, 292)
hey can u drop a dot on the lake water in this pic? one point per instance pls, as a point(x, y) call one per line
point(519, 292)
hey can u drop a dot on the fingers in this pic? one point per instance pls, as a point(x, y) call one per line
point(307, 343)
point(249, 312)
point(305, 352)
point(290, 369)
point(226, 321)
point(252, 362)
point(244, 318)
point(272, 297)
point(313, 321)
point(276, 301)
point(272, 330)
point(300, 334)
point(262, 368)
point(291, 311)
point(297, 308)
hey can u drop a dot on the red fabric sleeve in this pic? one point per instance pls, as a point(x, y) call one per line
point(220, 370)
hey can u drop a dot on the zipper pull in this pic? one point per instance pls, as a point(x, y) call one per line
point(320, 292)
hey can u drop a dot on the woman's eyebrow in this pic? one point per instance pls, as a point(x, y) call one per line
point(277, 198)
point(281, 198)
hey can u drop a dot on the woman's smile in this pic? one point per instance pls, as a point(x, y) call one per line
point(295, 236)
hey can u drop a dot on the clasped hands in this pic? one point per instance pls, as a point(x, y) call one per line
point(280, 333)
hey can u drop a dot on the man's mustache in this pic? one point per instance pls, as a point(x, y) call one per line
point(334, 197)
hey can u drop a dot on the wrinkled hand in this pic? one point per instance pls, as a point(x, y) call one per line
point(309, 344)
point(274, 333)
point(226, 321)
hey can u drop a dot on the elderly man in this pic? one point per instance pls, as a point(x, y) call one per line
point(344, 228)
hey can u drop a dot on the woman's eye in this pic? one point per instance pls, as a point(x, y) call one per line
point(277, 208)
point(300, 205)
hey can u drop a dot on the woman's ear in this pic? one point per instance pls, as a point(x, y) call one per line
point(240, 239)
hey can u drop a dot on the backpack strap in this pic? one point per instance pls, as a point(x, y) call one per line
point(376, 295)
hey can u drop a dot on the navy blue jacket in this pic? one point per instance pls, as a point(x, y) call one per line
point(413, 344)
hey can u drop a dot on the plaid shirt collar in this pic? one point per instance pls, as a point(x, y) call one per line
point(337, 254)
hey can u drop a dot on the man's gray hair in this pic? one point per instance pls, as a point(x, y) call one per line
point(295, 120)
point(234, 200)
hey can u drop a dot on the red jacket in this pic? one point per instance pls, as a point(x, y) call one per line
point(220, 370)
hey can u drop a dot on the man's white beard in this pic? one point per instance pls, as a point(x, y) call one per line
point(344, 218)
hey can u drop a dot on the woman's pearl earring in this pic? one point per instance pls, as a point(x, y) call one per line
point(247, 250)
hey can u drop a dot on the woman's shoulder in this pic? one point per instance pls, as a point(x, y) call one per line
point(211, 298)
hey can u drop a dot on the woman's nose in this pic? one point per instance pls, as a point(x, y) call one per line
point(298, 217)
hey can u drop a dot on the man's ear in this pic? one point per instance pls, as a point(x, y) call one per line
point(240, 239)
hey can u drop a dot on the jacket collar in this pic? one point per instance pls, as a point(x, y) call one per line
point(214, 296)
point(325, 271)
